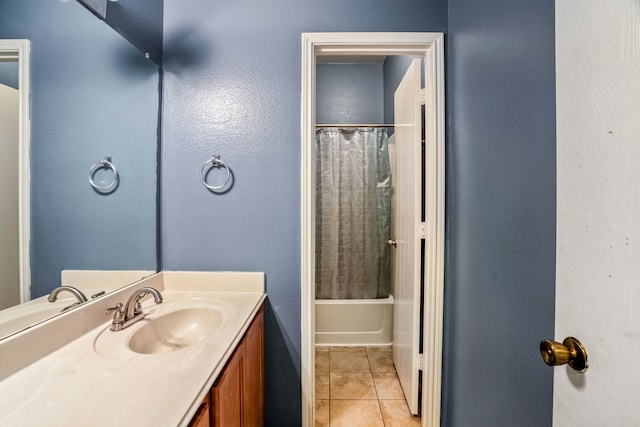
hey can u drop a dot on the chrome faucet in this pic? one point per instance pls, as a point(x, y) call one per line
point(131, 312)
point(53, 296)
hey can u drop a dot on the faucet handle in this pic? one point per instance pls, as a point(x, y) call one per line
point(117, 307)
point(118, 316)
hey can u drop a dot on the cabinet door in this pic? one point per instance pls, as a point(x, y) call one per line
point(253, 381)
point(202, 418)
point(226, 394)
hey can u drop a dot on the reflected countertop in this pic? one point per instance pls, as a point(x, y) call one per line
point(21, 316)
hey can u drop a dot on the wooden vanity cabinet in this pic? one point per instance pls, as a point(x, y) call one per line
point(253, 375)
point(237, 396)
point(227, 393)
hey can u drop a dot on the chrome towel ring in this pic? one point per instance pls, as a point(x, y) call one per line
point(216, 162)
point(104, 163)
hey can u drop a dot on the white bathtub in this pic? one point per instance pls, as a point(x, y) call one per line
point(354, 322)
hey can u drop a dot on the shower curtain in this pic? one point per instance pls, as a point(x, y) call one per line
point(353, 213)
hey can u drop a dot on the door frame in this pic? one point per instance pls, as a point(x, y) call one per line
point(431, 45)
point(19, 49)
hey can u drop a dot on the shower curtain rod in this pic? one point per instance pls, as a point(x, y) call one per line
point(353, 125)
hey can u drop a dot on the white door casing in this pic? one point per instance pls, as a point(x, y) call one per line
point(598, 209)
point(408, 203)
point(431, 45)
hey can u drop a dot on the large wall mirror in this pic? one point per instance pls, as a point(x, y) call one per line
point(92, 96)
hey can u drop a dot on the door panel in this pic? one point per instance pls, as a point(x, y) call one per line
point(406, 310)
point(598, 210)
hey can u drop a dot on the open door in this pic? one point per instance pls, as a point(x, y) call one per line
point(408, 218)
point(598, 211)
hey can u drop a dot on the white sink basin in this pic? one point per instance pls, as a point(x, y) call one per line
point(167, 327)
point(176, 330)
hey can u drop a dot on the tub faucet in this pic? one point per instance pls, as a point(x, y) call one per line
point(131, 312)
point(53, 296)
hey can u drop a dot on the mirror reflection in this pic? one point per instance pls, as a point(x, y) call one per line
point(93, 96)
point(9, 175)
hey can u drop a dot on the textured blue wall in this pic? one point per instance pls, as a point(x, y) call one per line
point(232, 87)
point(349, 93)
point(92, 95)
point(500, 260)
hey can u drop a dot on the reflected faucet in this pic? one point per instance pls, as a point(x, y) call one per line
point(131, 312)
point(53, 296)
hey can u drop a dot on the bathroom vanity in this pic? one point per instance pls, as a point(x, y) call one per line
point(195, 359)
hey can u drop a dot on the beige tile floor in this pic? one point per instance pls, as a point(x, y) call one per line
point(358, 386)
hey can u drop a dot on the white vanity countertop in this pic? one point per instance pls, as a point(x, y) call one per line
point(77, 385)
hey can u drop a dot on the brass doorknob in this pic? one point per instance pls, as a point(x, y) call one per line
point(570, 351)
point(392, 242)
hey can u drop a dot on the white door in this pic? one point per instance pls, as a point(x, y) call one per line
point(408, 202)
point(598, 209)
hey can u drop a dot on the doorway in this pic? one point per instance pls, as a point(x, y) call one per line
point(429, 231)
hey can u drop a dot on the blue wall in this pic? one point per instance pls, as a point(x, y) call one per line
point(359, 93)
point(349, 93)
point(500, 260)
point(92, 95)
point(232, 87)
